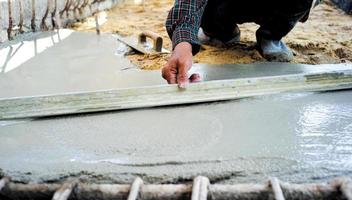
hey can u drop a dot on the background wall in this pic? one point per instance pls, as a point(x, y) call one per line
point(17, 16)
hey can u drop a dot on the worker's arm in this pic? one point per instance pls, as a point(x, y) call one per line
point(182, 26)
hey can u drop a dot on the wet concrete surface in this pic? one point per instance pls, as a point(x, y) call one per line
point(67, 62)
point(297, 137)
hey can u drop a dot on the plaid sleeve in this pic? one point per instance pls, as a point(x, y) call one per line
point(183, 22)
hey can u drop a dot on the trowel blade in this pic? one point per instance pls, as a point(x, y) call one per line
point(145, 48)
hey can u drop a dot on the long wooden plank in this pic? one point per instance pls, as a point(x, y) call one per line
point(161, 95)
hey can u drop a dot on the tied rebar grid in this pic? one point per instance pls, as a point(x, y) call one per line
point(201, 189)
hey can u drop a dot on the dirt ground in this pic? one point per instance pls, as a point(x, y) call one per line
point(325, 38)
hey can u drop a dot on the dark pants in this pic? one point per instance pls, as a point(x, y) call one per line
point(275, 17)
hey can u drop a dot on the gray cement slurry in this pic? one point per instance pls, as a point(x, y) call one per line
point(297, 137)
point(228, 71)
point(73, 62)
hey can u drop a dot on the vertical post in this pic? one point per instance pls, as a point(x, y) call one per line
point(33, 26)
point(200, 188)
point(276, 188)
point(135, 188)
point(4, 181)
point(20, 4)
point(97, 26)
point(9, 29)
point(65, 191)
point(346, 188)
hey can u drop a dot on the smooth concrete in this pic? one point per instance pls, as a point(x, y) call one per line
point(229, 71)
point(297, 137)
point(66, 61)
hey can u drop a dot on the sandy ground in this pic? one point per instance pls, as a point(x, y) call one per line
point(325, 38)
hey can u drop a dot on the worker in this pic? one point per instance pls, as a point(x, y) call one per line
point(191, 23)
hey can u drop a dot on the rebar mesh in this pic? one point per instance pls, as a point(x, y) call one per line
point(200, 189)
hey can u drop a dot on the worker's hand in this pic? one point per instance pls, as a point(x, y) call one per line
point(176, 69)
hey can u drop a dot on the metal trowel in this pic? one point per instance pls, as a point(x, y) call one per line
point(141, 44)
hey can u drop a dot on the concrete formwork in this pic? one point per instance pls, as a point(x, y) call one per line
point(18, 16)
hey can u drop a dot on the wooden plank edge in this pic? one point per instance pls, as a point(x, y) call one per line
point(163, 95)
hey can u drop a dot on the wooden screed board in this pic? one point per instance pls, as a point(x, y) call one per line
point(162, 95)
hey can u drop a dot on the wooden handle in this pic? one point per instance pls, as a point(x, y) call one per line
point(157, 39)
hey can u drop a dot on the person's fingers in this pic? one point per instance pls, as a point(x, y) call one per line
point(195, 78)
point(182, 80)
point(182, 75)
point(169, 72)
point(173, 75)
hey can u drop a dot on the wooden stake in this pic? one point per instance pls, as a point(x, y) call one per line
point(276, 188)
point(3, 182)
point(200, 188)
point(162, 95)
point(65, 191)
point(97, 26)
point(135, 189)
